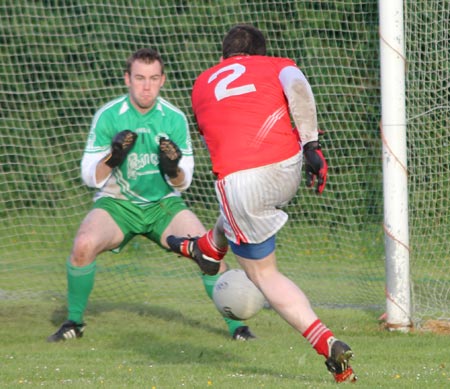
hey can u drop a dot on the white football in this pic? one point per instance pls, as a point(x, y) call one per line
point(236, 297)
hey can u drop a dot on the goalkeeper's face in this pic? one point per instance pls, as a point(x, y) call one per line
point(144, 83)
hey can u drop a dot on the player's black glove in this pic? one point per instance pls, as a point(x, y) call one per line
point(169, 156)
point(120, 146)
point(315, 166)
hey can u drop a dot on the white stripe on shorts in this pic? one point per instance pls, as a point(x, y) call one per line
point(250, 199)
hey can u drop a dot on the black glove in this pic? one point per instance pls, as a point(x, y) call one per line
point(120, 146)
point(169, 156)
point(315, 166)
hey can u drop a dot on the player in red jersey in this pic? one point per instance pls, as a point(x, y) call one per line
point(264, 134)
point(243, 107)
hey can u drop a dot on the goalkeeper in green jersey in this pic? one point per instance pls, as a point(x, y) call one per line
point(139, 157)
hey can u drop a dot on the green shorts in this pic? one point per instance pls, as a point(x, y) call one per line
point(150, 220)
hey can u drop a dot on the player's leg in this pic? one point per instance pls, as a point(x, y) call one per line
point(206, 249)
point(251, 204)
point(97, 233)
point(289, 301)
point(283, 295)
point(186, 223)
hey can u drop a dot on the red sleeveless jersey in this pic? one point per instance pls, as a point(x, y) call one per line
point(243, 114)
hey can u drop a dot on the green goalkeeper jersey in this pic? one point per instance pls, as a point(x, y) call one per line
point(138, 179)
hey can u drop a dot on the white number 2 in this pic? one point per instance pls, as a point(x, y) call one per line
point(222, 91)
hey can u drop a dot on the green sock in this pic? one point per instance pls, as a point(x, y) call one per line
point(80, 281)
point(208, 283)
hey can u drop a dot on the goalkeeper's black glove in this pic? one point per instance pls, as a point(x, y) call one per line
point(315, 166)
point(169, 156)
point(120, 146)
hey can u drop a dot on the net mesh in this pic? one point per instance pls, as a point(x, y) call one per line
point(428, 111)
point(62, 60)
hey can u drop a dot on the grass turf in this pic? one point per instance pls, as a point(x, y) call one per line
point(151, 346)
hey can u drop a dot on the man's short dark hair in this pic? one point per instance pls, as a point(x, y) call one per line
point(243, 39)
point(145, 55)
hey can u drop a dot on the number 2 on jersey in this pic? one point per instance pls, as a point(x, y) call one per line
point(222, 91)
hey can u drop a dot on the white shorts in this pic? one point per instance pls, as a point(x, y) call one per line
point(250, 200)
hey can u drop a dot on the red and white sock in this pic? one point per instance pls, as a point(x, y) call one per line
point(318, 335)
point(208, 247)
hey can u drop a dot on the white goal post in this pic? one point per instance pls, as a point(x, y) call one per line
point(395, 173)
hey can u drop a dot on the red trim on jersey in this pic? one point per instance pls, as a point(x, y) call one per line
point(240, 237)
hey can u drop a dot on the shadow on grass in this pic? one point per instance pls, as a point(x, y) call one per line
point(59, 315)
point(157, 347)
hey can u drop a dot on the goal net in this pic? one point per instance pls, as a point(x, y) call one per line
point(428, 127)
point(62, 60)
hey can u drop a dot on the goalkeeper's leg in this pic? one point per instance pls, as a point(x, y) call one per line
point(97, 233)
point(186, 228)
point(237, 329)
point(80, 281)
point(207, 244)
point(214, 238)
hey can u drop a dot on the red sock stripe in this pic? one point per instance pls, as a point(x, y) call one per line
point(208, 247)
point(220, 251)
point(318, 334)
point(184, 248)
